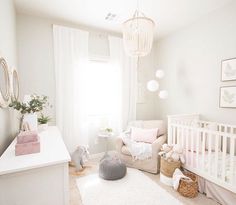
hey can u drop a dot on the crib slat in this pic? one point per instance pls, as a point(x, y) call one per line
point(174, 135)
point(197, 148)
point(232, 150)
point(224, 156)
point(209, 152)
point(217, 136)
point(182, 137)
point(170, 135)
point(170, 127)
point(178, 133)
point(203, 149)
point(186, 144)
point(192, 132)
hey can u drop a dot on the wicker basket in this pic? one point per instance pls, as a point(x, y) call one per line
point(187, 187)
point(168, 168)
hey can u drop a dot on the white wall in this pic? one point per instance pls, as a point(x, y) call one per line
point(8, 51)
point(146, 110)
point(191, 59)
point(35, 57)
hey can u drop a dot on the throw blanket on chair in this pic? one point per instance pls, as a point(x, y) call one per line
point(138, 150)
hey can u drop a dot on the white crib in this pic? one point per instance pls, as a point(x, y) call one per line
point(209, 147)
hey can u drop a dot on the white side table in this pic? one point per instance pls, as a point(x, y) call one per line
point(106, 137)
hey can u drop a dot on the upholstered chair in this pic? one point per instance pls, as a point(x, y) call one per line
point(152, 164)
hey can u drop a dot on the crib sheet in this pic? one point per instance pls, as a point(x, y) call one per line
point(210, 162)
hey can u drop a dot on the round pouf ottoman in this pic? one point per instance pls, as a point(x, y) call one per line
point(111, 168)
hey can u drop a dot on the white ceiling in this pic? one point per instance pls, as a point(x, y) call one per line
point(169, 15)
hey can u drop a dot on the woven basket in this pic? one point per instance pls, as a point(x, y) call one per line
point(168, 168)
point(187, 187)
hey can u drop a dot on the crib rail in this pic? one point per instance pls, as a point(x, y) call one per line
point(209, 147)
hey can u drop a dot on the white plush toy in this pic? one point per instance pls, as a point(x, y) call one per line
point(178, 153)
point(174, 153)
point(165, 149)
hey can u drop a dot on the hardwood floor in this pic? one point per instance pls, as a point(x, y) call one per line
point(92, 167)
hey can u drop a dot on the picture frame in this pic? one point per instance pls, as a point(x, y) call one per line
point(227, 97)
point(228, 70)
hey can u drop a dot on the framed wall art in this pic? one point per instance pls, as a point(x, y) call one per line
point(228, 70)
point(228, 97)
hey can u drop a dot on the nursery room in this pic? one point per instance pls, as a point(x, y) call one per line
point(116, 102)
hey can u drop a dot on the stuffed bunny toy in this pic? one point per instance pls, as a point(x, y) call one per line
point(79, 156)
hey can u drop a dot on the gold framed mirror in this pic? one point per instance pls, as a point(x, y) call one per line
point(4, 83)
point(15, 86)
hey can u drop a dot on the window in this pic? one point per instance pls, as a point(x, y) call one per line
point(103, 89)
point(99, 87)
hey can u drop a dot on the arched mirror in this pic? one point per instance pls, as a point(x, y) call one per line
point(4, 83)
point(15, 86)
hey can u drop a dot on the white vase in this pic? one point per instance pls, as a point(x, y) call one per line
point(43, 127)
point(32, 121)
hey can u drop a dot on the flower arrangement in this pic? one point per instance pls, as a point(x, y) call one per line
point(108, 130)
point(29, 110)
point(36, 104)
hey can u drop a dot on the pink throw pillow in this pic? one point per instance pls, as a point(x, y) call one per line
point(144, 135)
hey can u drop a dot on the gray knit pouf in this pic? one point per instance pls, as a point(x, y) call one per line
point(111, 168)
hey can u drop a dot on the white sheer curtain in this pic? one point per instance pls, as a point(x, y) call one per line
point(128, 67)
point(71, 56)
point(91, 94)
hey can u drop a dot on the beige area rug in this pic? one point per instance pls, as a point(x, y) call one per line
point(134, 189)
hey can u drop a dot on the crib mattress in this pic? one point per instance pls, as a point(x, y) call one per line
point(210, 162)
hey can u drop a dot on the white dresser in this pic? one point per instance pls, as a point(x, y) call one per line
point(36, 179)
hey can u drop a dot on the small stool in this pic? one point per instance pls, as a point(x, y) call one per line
point(111, 168)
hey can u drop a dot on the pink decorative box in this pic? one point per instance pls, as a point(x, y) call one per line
point(27, 136)
point(27, 148)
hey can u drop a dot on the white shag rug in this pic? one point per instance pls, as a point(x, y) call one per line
point(134, 189)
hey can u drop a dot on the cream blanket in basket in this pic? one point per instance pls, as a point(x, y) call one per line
point(176, 178)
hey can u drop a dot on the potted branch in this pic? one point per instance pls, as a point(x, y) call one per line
point(43, 121)
point(30, 109)
point(109, 131)
point(106, 132)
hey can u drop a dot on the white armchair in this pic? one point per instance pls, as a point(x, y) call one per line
point(152, 164)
